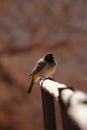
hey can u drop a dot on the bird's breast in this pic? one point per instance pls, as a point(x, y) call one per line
point(48, 70)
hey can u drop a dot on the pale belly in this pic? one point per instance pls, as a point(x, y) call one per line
point(47, 71)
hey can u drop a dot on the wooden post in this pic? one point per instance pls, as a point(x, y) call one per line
point(48, 111)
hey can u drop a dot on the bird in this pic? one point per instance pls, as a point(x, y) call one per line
point(44, 68)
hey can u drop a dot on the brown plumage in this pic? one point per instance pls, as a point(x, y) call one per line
point(45, 67)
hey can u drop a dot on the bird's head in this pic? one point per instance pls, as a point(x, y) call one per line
point(49, 57)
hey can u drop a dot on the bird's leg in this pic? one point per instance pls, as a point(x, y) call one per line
point(51, 78)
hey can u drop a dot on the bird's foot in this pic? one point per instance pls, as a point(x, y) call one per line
point(51, 78)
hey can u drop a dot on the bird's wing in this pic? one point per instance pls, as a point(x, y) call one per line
point(39, 66)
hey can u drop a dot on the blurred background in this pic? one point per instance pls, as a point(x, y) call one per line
point(28, 30)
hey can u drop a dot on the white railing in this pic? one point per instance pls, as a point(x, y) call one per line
point(73, 106)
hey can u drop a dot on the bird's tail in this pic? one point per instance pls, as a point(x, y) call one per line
point(31, 86)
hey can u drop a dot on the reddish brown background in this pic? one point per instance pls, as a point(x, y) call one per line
point(28, 30)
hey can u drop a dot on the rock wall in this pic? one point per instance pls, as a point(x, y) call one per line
point(28, 30)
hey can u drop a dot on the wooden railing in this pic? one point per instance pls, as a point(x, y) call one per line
point(73, 106)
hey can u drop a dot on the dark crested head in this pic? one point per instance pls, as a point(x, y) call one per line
point(49, 57)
